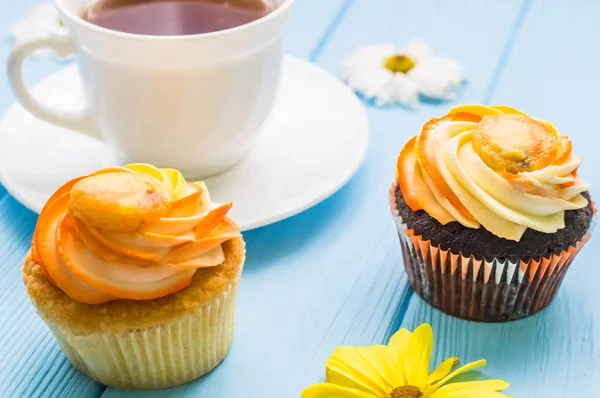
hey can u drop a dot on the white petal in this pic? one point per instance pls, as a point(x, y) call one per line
point(418, 50)
point(438, 78)
point(400, 89)
point(42, 22)
point(405, 90)
point(369, 82)
point(453, 69)
point(368, 57)
point(384, 97)
point(43, 19)
point(387, 94)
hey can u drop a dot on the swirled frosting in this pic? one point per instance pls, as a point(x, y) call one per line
point(133, 232)
point(492, 166)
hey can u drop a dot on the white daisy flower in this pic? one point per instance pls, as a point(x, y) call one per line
point(43, 21)
point(390, 75)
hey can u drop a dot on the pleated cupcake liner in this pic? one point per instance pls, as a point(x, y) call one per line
point(158, 357)
point(495, 290)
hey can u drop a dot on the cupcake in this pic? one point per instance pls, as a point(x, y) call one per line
point(490, 212)
point(135, 271)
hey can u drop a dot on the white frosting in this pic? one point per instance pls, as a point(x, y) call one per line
point(504, 204)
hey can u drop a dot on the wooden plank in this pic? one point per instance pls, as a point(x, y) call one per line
point(32, 364)
point(307, 28)
point(550, 71)
point(333, 274)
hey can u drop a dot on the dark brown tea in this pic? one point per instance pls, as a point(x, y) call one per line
point(173, 17)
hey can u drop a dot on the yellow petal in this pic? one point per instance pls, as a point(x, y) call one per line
point(416, 363)
point(369, 369)
point(398, 346)
point(341, 374)
point(330, 390)
point(399, 341)
point(469, 393)
point(462, 369)
point(489, 385)
point(379, 358)
point(442, 370)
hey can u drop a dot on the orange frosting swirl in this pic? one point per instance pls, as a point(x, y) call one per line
point(133, 232)
point(492, 166)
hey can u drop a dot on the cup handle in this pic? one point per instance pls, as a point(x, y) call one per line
point(63, 45)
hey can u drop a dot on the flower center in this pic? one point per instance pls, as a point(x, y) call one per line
point(399, 63)
point(406, 392)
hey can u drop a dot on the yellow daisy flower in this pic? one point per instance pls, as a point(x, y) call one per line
point(399, 370)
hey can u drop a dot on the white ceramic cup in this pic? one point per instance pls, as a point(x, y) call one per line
point(193, 102)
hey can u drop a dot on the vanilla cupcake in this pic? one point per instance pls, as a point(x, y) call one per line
point(490, 212)
point(135, 271)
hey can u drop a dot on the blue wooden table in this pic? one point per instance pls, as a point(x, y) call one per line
point(333, 274)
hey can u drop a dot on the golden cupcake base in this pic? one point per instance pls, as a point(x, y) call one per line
point(189, 334)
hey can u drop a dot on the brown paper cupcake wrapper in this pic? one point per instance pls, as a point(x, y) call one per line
point(481, 290)
point(159, 357)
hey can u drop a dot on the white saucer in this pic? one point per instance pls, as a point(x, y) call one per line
point(315, 141)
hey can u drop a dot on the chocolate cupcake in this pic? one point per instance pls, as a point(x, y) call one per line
point(490, 212)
